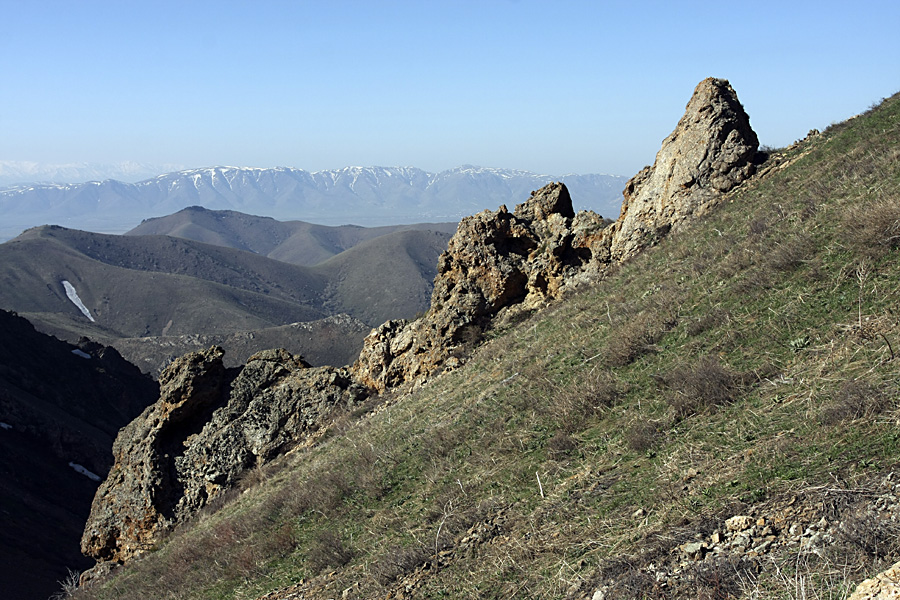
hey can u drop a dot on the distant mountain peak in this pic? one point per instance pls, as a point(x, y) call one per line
point(371, 196)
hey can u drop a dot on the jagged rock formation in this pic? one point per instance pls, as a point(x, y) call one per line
point(711, 151)
point(496, 260)
point(500, 259)
point(209, 424)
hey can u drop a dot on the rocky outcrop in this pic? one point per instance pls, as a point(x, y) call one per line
point(800, 528)
point(884, 586)
point(522, 259)
point(711, 151)
point(209, 424)
point(497, 259)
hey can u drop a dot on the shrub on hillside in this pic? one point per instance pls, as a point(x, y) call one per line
point(395, 562)
point(855, 399)
point(637, 337)
point(641, 436)
point(874, 229)
point(327, 551)
point(695, 388)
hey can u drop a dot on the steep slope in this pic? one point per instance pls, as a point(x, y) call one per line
point(404, 264)
point(61, 406)
point(294, 242)
point(713, 417)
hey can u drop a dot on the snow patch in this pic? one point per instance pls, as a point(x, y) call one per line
point(5, 426)
point(81, 353)
point(73, 296)
point(89, 474)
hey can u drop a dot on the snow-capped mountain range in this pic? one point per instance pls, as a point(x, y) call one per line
point(366, 196)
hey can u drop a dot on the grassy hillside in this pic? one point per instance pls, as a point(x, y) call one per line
point(404, 264)
point(746, 366)
point(153, 284)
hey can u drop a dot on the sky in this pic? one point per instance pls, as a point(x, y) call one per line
point(550, 87)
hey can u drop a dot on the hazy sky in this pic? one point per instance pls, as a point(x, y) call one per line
point(552, 87)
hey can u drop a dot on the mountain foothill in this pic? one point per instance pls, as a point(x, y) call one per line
point(696, 400)
point(155, 296)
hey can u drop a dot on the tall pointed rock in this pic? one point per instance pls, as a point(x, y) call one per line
point(711, 151)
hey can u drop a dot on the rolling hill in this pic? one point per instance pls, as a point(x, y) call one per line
point(155, 296)
point(294, 242)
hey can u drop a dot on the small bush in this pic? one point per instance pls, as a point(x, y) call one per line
point(69, 586)
point(874, 229)
point(869, 537)
point(789, 254)
point(856, 399)
point(718, 579)
point(395, 562)
point(637, 337)
point(759, 226)
point(704, 385)
point(709, 320)
point(327, 551)
point(641, 436)
point(636, 583)
point(561, 445)
point(574, 405)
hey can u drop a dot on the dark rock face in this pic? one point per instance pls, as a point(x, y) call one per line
point(61, 406)
point(209, 424)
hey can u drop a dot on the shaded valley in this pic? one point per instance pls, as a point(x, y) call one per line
point(61, 407)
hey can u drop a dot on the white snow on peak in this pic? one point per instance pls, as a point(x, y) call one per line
point(89, 474)
point(73, 296)
point(81, 353)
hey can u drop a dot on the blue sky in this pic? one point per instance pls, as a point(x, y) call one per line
point(552, 87)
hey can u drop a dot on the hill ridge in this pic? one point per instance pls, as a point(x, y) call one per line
point(496, 260)
point(700, 419)
point(373, 196)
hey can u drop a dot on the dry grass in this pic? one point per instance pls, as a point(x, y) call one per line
point(675, 386)
point(874, 228)
point(700, 386)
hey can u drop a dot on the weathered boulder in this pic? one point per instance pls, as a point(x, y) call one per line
point(884, 586)
point(500, 259)
point(209, 425)
point(497, 259)
point(137, 498)
point(711, 151)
